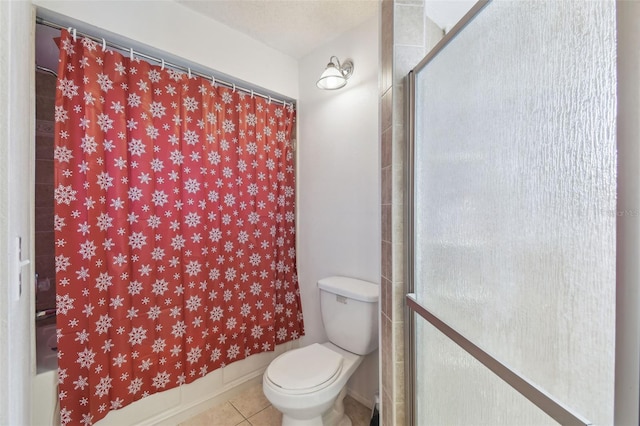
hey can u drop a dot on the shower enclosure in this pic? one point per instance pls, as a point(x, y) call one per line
point(512, 218)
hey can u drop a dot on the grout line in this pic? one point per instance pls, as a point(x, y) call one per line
point(237, 411)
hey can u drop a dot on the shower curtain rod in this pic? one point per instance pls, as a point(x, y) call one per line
point(188, 70)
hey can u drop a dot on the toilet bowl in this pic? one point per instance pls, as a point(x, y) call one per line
point(308, 385)
point(305, 384)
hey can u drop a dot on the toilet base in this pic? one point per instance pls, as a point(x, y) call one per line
point(317, 421)
point(290, 421)
point(334, 417)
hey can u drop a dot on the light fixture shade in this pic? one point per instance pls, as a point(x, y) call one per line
point(335, 76)
point(331, 79)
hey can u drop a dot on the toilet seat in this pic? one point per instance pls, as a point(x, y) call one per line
point(305, 370)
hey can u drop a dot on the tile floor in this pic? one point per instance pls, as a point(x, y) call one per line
point(251, 408)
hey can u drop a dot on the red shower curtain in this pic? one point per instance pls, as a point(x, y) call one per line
point(175, 228)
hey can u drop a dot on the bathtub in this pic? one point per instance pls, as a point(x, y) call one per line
point(169, 407)
point(46, 348)
point(44, 392)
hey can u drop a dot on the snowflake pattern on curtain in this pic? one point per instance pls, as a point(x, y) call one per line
point(174, 228)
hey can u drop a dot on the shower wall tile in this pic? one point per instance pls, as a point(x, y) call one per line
point(386, 45)
point(386, 260)
point(411, 32)
point(44, 187)
point(387, 366)
point(404, 34)
point(433, 34)
point(45, 85)
point(45, 246)
point(386, 297)
point(45, 266)
point(45, 107)
point(397, 224)
point(386, 181)
point(397, 303)
point(387, 352)
point(386, 118)
point(397, 185)
point(386, 222)
point(397, 328)
point(400, 417)
point(44, 218)
point(44, 147)
point(44, 171)
point(399, 107)
point(386, 149)
point(45, 128)
point(398, 384)
point(44, 196)
point(399, 146)
point(397, 263)
point(387, 409)
point(405, 59)
point(384, 291)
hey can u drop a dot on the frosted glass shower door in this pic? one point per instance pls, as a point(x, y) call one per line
point(513, 205)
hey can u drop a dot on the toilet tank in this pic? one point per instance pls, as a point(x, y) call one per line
point(349, 309)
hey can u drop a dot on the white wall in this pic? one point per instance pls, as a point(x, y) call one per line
point(338, 180)
point(177, 31)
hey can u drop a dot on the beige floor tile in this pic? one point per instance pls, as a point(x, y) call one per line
point(358, 413)
point(222, 415)
point(252, 405)
point(250, 401)
point(267, 417)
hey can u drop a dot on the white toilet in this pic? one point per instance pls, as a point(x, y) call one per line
point(308, 384)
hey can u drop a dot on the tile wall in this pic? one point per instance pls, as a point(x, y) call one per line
point(406, 36)
point(44, 234)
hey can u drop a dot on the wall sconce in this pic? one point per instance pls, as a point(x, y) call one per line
point(335, 76)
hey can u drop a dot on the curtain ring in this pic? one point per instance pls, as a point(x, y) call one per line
point(213, 81)
point(269, 101)
point(234, 87)
point(251, 93)
point(74, 35)
point(131, 53)
point(162, 64)
point(104, 45)
point(189, 72)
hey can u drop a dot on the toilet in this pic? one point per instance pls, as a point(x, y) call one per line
point(308, 385)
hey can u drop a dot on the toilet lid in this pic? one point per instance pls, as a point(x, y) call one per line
point(305, 368)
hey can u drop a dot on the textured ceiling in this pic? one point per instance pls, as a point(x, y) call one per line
point(297, 27)
point(294, 27)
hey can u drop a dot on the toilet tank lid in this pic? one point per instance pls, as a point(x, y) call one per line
point(352, 288)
